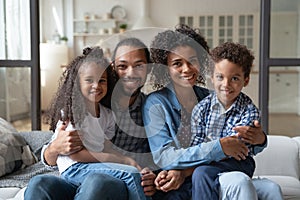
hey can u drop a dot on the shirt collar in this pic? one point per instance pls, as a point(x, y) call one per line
point(216, 104)
point(136, 104)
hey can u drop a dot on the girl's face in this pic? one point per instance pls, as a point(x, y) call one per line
point(93, 82)
point(183, 65)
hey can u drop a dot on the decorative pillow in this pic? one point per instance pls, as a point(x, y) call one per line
point(36, 140)
point(14, 152)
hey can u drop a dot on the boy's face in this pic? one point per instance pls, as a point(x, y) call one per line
point(131, 68)
point(229, 80)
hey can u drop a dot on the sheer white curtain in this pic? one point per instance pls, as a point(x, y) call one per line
point(17, 29)
point(15, 45)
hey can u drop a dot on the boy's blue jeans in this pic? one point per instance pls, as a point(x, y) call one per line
point(77, 173)
point(206, 177)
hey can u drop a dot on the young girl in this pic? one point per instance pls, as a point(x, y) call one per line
point(82, 102)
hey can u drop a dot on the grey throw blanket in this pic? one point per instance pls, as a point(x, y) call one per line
point(21, 177)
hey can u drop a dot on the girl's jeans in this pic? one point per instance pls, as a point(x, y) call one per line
point(76, 173)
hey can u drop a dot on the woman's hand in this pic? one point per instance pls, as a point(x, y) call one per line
point(169, 180)
point(252, 135)
point(234, 147)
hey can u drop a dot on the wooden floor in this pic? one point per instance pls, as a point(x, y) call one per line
point(279, 124)
point(284, 124)
point(25, 125)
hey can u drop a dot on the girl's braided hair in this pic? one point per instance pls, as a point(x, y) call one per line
point(166, 41)
point(69, 98)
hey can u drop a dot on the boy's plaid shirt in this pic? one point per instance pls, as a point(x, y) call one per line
point(210, 121)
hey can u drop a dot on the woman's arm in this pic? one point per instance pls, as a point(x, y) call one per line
point(160, 125)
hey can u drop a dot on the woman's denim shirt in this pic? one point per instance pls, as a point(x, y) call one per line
point(162, 118)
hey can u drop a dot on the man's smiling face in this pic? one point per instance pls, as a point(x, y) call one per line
point(131, 67)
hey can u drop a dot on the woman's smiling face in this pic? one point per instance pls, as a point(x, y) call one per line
point(183, 65)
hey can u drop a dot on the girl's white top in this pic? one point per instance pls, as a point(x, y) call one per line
point(93, 133)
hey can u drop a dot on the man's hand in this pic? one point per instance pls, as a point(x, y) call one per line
point(252, 135)
point(170, 180)
point(67, 142)
point(234, 147)
point(148, 178)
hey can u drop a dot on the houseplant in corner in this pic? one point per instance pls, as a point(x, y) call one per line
point(64, 40)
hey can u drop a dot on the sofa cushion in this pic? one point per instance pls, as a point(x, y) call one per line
point(36, 140)
point(14, 152)
point(279, 158)
point(6, 127)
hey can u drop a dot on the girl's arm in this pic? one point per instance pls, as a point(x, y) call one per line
point(108, 155)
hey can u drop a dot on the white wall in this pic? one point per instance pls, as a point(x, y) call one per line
point(162, 17)
point(165, 13)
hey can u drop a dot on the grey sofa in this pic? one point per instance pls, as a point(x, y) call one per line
point(12, 185)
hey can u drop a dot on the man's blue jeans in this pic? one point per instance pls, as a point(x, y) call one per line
point(130, 175)
point(50, 187)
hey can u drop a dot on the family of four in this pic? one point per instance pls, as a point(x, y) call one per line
point(111, 141)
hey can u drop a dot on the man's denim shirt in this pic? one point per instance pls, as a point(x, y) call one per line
point(162, 117)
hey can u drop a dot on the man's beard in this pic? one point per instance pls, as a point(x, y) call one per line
point(128, 93)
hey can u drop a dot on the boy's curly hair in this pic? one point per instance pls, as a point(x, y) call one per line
point(69, 98)
point(235, 53)
point(166, 41)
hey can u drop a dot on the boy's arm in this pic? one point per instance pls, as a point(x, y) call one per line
point(253, 135)
point(250, 130)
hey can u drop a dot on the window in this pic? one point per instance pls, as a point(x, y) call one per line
point(19, 66)
point(221, 28)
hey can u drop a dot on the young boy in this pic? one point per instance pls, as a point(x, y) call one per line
point(215, 116)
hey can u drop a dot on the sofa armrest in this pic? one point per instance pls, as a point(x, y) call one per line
point(280, 157)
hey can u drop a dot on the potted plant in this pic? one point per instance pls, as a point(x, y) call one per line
point(64, 39)
point(123, 28)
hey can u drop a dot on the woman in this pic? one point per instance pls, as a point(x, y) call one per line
point(181, 57)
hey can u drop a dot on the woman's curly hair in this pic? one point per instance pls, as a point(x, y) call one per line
point(235, 53)
point(166, 41)
point(68, 98)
